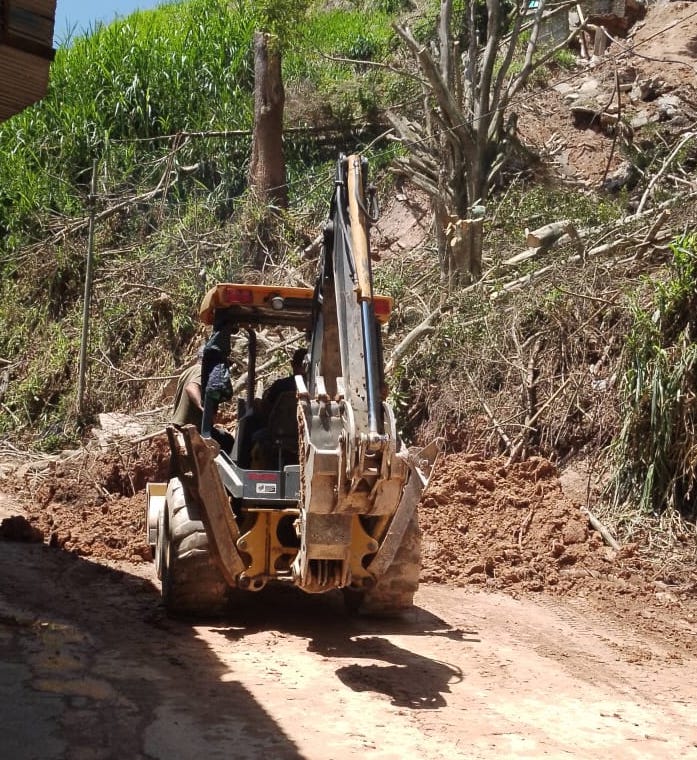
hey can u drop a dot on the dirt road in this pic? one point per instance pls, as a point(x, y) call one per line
point(90, 668)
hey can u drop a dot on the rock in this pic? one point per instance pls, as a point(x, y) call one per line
point(626, 74)
point(648, 89)
point(625, 176)
point(114, 425)
point(642, 118)
point(476, 568)
point(575, 533)
point(668, 107)
point(590, 87)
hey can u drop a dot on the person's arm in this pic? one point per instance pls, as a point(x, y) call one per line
point(193, 391)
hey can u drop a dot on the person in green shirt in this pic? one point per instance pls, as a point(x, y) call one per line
point(188, 398)
point(188, 404)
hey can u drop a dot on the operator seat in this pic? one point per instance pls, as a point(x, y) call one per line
point(283, 428)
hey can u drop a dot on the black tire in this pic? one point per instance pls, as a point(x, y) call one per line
point(192, 584)
point(393, 593)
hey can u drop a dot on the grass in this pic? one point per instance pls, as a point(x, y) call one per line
point(655, 452)
point(117, 95)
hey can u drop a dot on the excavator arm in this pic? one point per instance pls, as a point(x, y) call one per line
point(355, 477)
point(343, 513)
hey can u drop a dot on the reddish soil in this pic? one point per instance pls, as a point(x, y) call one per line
point(484, 524)
point(93, 505)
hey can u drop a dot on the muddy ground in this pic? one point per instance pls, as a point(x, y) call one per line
point(509, 652)
point(485, 525)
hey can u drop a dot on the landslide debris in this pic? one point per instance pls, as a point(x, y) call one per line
point(489, 523)
point(486, 525)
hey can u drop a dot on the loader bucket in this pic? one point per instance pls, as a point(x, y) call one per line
point(420, 464)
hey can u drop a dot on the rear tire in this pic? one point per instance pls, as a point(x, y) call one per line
point(394, 591)
point(192, 584)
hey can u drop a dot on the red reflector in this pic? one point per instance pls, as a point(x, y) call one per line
point(382, 305)
point(237, 295)
point(263, 477)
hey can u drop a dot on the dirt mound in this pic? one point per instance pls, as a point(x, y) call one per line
point(18, 528)
point(503, 526)
point(512, 528)
point(484, 524)
point(93, 504)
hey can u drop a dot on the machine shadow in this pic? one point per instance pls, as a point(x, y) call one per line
point(409, 679)
point(158, 669)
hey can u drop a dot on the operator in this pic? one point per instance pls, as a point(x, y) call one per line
point(284, 384)
point(188, 404)
point(262, 436)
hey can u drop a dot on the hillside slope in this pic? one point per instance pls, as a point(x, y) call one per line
point(579, 310)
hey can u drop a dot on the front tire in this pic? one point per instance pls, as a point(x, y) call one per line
point(192, 584)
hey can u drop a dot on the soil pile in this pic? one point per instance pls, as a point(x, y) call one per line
point(512, 526)
point(93, 504)
point(483, 522)
point(513, 529)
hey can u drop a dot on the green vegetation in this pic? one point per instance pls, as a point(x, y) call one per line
point(129, 96)
point(655, 452)
point(185, 67)
point(529, 206)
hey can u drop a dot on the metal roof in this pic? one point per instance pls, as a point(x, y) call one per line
point(26, 51)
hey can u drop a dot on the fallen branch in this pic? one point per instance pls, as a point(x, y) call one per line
point(604, 532)
point(489, 413)
point(520, 443)
point(423, 328)
point(656, 226)
point(149, 436)
point(685, 138)
point(606, 249)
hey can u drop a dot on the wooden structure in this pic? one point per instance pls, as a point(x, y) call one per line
point(26, 51)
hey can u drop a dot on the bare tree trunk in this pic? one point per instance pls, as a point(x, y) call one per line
point(267, 169)
point(469, 126)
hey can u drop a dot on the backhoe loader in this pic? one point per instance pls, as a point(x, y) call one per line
point(334, 505)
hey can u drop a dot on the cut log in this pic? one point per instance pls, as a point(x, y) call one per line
point(530, 253)
point(547, 235)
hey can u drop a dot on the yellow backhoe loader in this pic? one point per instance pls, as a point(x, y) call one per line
point(334, 505)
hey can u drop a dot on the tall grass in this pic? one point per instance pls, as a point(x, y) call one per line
point(656, 451)
point(183, 67)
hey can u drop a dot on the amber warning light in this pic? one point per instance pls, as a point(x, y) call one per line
point(382, 306)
